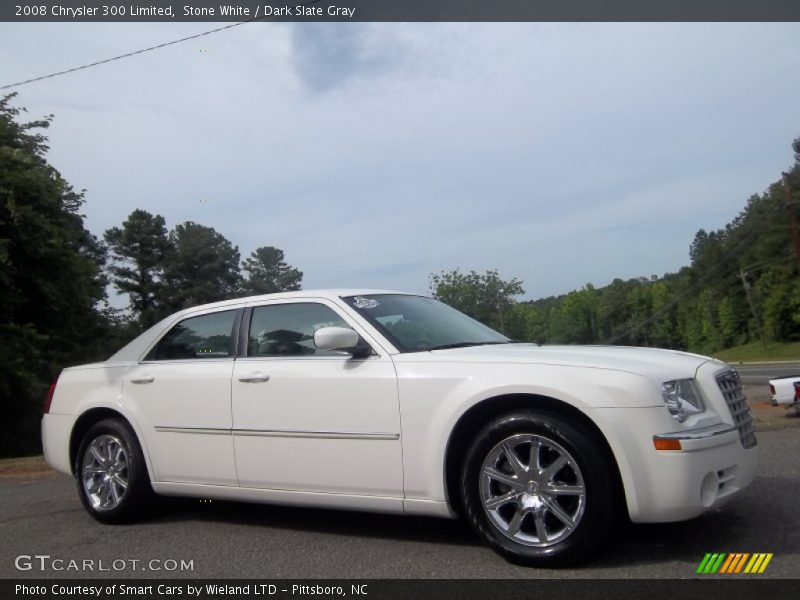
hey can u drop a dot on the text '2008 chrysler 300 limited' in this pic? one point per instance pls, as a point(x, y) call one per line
point(398, 403)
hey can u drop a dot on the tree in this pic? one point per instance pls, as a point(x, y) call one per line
point(576, 321)
point(268, 273)
point(139, 250)
point(51, 278)
point(526, 323)
point(202, 267)
point(485, 297)
point(663, 326)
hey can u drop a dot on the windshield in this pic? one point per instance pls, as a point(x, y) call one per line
point(416, 323)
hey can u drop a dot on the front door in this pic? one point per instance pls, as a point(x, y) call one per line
point(311, 420)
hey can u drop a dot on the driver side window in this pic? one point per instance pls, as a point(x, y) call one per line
point(288, 329)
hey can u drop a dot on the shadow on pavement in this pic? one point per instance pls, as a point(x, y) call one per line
point(765, 519)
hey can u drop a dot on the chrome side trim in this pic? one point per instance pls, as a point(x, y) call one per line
point(344, 435)
point(205, 430)
point(337, 435)
point(697, 434)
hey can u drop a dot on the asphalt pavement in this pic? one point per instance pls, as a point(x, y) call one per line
point(40, 515)
point(762, 372)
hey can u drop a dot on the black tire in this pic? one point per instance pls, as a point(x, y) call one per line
point(588, 468)
point(127, 503)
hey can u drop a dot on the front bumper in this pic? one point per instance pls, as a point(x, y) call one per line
point(710, 468)
point(700, 438)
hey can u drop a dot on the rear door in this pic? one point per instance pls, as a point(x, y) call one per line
point(181, 394)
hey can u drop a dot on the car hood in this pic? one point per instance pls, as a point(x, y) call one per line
point(642, 361)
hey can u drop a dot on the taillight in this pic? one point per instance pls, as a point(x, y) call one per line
point(771, 389)
point(48, 399)
point(797, 390)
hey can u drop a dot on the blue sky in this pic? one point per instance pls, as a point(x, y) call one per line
point(376, 154)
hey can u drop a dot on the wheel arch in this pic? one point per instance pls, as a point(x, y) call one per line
point(94, 415)
point(479, 414)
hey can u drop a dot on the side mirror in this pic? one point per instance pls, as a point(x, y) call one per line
point(342, 339)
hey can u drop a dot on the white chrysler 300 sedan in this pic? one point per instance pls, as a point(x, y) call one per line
point(398, 403)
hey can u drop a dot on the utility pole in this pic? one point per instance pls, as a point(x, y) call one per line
point(500, 309)
point(746, 285)
point(792, 217)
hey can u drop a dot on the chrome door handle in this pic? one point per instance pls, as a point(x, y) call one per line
point(143, 379)
point(257, 377)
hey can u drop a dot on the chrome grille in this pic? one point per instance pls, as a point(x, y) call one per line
point(731, 387)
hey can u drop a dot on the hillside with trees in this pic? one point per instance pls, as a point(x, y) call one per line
point(742, 286)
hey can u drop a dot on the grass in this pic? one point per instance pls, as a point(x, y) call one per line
point(755, 351)
point(25, 467)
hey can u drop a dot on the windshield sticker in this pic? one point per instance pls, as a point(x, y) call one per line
point(360, 302)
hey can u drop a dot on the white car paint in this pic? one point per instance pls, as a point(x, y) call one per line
point(373, 433)
point(784, 392)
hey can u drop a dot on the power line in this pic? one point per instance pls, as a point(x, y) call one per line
point(757, 266)
point(693, 287)
point(121, 56)
point(143, 50)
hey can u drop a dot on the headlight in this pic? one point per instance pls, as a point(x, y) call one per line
point(682, 398)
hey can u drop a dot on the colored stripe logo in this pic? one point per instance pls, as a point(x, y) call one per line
point(734, 563)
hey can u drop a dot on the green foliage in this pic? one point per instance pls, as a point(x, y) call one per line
point(576, 319)
point(203, 267)
point(268, 273)
point(780, 295)
point(527, 322)
point(140, 248)
point(755, 351)
point(483, 296)
point(51, 279)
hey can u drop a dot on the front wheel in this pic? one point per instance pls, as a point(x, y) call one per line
point(539, 489)
point(111, 475)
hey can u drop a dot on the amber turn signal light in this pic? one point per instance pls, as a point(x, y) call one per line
point(667, 444)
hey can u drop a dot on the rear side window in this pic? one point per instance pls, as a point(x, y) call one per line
point(206, 336)
point(288, 329)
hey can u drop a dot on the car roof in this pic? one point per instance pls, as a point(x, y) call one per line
point(134, 349)
point(314, 293)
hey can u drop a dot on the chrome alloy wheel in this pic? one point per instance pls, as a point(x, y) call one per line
point(105, 472)
point(532, 490)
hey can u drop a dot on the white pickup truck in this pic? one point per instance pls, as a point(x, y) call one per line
point(786, 392)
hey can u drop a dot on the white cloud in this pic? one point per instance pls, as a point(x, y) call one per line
point(557, 153)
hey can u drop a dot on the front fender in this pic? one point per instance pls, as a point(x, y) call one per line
point(433, 398)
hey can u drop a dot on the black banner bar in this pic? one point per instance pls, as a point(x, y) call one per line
point(399, 10)
point(731, 588)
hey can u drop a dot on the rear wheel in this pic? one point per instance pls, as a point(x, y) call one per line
point(539, 489)
point(112, 479)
